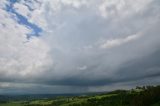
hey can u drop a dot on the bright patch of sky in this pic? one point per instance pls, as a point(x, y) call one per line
point(36, 30)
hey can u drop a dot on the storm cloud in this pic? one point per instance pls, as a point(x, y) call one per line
point(96, 45)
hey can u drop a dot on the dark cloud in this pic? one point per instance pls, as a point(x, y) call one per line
point(86, 46)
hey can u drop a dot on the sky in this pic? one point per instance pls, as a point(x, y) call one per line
point(76, 46)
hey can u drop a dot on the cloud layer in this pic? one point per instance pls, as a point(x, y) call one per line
point(86, 45)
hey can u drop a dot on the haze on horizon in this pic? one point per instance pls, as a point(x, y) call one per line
point(73, 46)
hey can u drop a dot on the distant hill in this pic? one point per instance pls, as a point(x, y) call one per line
point(140, 96)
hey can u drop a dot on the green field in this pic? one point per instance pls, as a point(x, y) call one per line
point(12, 104)
point(142, 96)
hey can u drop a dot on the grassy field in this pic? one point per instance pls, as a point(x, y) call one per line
point(12, 104)
point(146, 96)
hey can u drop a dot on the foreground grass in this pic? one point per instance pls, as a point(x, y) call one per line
point(12, 104)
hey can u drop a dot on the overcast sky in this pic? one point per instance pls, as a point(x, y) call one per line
point(70, 46)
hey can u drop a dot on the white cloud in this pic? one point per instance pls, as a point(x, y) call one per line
point(74, 3)
point(22, 9)
point(2, 3)
point(122, 8)
point(119, 41)
point(82, 68)
point(36, 15)
point(19, 56)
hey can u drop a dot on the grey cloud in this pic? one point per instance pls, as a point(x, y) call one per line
point(75, 35)
point(88, 28)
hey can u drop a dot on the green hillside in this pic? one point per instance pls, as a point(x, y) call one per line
point(141, 96)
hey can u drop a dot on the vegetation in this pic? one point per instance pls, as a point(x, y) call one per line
point(141, 96)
